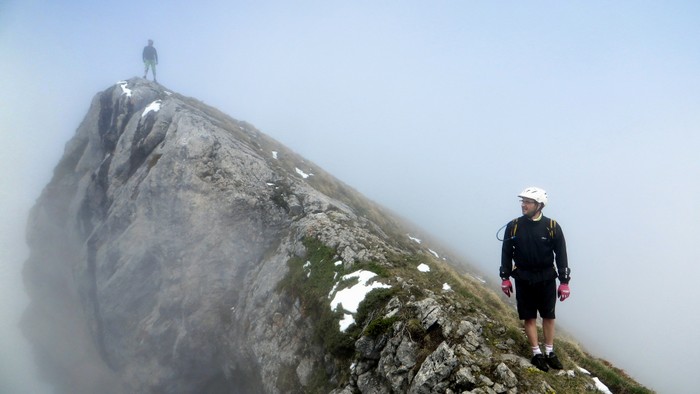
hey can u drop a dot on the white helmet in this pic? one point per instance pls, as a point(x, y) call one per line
point(534, 193)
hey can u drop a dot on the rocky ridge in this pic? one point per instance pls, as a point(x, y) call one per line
point(178, 250)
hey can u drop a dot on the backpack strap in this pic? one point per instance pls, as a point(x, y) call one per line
point(552, 228)
point(514, 229)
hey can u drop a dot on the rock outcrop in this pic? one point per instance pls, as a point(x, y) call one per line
point(177, 250)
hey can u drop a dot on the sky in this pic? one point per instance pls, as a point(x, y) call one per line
point(441, 111)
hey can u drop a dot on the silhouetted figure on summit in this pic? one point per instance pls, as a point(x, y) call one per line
point(150, 59)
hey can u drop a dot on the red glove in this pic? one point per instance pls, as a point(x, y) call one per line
point(507, 287)
point(563, 292)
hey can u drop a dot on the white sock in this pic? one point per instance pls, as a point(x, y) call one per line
point(548, 349)
point(536, 350)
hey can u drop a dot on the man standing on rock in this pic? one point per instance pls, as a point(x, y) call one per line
point(534, 242)
point(150, 59)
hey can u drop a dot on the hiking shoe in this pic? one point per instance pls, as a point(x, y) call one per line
point(553, 361)
point(539, 361)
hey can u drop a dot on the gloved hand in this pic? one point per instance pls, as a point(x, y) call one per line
point(507, 287)
point(563, 292)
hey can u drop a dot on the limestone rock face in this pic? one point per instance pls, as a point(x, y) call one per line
point(157, 246)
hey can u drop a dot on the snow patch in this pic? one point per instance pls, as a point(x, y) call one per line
point(346, 321)
point(423, 268)
point(569, 373)
point(480, 279)
point(274, 154)
point(154, 106)
point(601, 387)
point(446, 287)
point(598, 384)
point(125, 89)
point(434, 253)
point(414, 239)
point(302, 173)
point(306, 266)
point(583, 370)
point(351, 297)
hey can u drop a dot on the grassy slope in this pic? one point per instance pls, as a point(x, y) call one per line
point(469, 298)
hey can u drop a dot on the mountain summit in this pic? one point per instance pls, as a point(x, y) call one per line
point(177, 250)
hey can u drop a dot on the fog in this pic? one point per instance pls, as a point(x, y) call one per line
point(442, 111)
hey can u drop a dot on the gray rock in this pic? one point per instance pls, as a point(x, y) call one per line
point(436, 368)
point(363, 367)
point(472, 341)
point(483, 390)
point(370, 348)
point(464, 378)
point(304, 370)
point(370, 383)
point(486, 381)
point(344, 390)
point(158, 246)
point(520, 361)
point(406, 353)
point(506, 375)
point(397, 361)
point(466, 327)
point(430, 312)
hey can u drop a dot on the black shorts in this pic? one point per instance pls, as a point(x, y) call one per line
point(536, 297)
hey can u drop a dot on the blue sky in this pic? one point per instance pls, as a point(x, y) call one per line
point(442, 111)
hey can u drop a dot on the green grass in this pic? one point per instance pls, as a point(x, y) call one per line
point(310, 279)
point(616, 379)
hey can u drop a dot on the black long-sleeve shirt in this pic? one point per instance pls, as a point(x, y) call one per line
point(150, 53)
point(534, 246)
